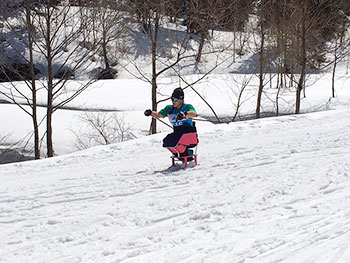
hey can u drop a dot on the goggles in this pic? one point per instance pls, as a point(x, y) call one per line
point(174, 99)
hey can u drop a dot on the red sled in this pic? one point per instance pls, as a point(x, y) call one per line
point(187, 141)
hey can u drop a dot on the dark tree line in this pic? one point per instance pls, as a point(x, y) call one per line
point(296, 37)
point(302, 31)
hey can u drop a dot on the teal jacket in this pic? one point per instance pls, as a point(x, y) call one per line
point(172, 113)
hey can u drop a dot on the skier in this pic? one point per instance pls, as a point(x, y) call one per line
point(180, 116)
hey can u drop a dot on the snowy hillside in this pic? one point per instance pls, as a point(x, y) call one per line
point(130, 97)
point(269, 190)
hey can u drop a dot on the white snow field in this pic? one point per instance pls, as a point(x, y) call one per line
point(268, 190)
point(130, 97)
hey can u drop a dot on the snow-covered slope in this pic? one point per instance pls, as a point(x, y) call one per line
point(269, 190)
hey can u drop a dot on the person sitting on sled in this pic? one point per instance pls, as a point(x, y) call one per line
point(180, 116)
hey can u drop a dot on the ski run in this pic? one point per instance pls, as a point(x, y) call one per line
point(269, 190)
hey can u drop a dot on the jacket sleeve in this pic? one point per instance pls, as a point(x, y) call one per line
point(189, 107)
point(164, 112)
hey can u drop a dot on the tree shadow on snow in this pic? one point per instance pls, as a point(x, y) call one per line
point(168, 42)
point(251, 65)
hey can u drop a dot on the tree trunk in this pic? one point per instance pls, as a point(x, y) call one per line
point(341, 42)
point(34, 106)
point(279, 86)
point(333, 74)
point(298, 95)
point(49, 142)
point(336, 58)
point(154, 40)
point(301, 82)
point(261, 71)
point(104, 49)
point(200, 48)
point(154, 105)
point(49, 111)
point(33, 83)
point(234, 46)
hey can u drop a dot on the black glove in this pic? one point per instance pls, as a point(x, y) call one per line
point(181, 116)
point(148, 112)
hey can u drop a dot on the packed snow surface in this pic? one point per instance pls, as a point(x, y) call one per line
point(269, 190)
point(265, 191)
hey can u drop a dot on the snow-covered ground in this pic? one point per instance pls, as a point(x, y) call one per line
point(269, 190)
point(130, 97)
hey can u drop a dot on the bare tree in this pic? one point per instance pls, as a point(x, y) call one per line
point(102, 128)
point(149, 14)
point(202, 16)
point(109, 28)
point(339, 52)
point(278, 52)
point(60, 29)
point(238, 90)
point(261, 11)
point(313, 25)
point(302, 30)
point(191, 86)
point(11, 91)
point(235, 17)
point(152, 17)
point(30, 29)
point(341, 41)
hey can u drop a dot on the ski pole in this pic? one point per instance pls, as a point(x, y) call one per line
point(195, 119)
point(162, 122)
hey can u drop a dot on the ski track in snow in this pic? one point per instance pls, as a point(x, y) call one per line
point(270, 190)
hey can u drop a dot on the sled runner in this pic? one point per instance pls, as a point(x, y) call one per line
point(182, 151)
